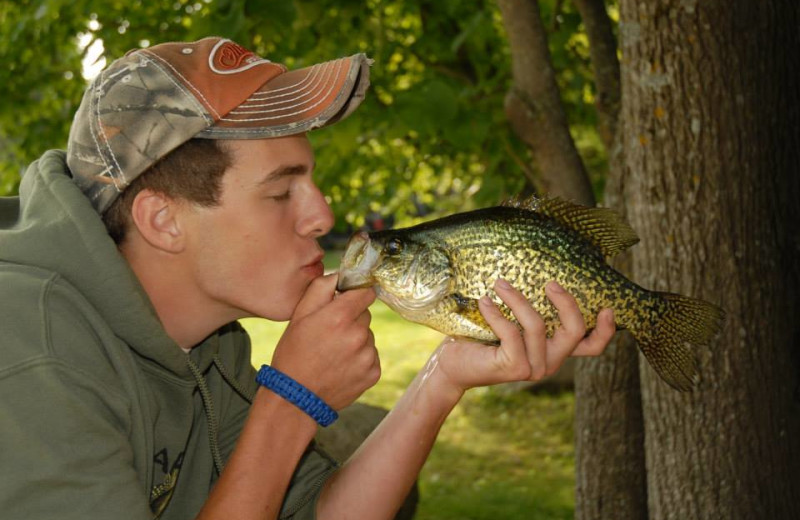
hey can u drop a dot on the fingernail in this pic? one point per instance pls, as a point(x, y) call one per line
point(611, 315)
point(502, 284)
point(485, 300)
point(556, 288)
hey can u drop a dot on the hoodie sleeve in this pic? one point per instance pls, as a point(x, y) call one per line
point(314, 468)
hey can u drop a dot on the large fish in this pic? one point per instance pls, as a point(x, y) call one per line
point(434, 273)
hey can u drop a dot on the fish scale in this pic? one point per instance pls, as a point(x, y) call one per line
point(434, 273)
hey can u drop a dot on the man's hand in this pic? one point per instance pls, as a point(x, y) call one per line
point(328, 346)
point(525, 354)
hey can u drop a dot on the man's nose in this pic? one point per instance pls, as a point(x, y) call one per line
point(318, 218)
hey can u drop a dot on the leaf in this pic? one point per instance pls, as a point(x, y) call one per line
point(276, 13)
point(427, 107)
point(468, 30)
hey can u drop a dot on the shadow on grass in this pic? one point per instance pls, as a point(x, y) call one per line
point(456, 484)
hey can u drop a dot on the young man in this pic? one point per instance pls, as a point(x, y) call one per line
point(186, 201)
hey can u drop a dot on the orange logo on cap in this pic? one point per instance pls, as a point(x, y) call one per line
point(230, 57)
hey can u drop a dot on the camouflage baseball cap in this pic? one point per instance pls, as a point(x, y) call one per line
point(152, 100)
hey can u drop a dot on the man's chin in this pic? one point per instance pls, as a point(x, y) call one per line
point(284, 313)
point(284, 308)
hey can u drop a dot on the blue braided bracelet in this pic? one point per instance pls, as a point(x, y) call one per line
point(296, 394)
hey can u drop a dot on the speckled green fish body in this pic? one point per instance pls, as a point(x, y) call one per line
point(434, 274)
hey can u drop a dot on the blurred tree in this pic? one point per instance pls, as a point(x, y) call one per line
point(534, 106)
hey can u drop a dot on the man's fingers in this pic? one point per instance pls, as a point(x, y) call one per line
point(354, 302)
point(572, 329)
point(501, 327)
point(533, 327)
point(596, 342)
point(319, 293)
point(512, 345)
point(572, 324)
point(375, 369)
point(364, 319)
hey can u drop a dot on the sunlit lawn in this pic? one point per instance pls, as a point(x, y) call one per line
point(499, 456)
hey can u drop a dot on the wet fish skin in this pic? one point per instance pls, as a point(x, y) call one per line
point(435, 272)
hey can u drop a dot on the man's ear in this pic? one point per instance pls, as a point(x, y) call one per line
point(156, 217)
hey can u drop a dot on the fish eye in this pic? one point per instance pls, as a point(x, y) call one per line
point(394, 247)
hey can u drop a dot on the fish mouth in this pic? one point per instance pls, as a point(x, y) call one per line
point(358, 261)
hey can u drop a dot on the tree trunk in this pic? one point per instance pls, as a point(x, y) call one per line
point(610, 477)
point(534, 108)
point(712, 136)
point(609, 440)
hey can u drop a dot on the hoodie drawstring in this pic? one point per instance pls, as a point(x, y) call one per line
point(208, 404)
point(211, 417)
point(236, 385)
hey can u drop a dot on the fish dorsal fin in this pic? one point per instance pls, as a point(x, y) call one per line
point(603, 227)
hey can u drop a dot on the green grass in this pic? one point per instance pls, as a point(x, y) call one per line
point(498, 456)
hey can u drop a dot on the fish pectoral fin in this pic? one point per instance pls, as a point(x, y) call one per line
point(603, 227)
point(468, 309)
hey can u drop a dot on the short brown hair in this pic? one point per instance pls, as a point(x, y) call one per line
point(192, 172)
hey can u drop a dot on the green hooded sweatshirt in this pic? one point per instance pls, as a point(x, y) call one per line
point(102, 414)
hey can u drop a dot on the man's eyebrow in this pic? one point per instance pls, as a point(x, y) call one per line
point(284, 171)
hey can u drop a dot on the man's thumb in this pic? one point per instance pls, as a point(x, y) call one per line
point(319, 293)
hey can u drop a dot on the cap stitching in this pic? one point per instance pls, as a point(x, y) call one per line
point(330, 89)
point(312, 73)
point(310, 92)
point(306, 91)
point(214, 132)
point(105, 142)
point(299, 87)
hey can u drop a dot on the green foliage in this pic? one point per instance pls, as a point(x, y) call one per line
point(432, 132)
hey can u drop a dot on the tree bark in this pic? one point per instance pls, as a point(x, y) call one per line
point(610, 475)
point(534, 108)
point(710, 106)
point(610, 479)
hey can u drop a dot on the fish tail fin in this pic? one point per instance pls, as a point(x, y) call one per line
point(683, 322)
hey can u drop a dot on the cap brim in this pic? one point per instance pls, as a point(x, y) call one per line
point(297, 101)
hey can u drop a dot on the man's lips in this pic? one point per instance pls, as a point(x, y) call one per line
point(315, 267)
point(315, 261)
